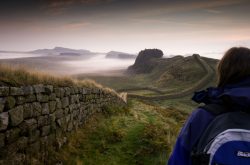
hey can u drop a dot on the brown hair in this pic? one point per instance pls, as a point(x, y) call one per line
point(234, 66)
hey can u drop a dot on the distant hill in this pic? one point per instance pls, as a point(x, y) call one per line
point(70, 54)
point(6, 51)
point(120, 55)
point(59, 50)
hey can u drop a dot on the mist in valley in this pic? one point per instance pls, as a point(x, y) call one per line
point(4, 55)
point(96, 64)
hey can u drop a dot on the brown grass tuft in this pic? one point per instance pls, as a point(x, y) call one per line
point(21, 76)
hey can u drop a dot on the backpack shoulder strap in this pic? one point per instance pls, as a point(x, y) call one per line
point(197, 157)
point(215, 109)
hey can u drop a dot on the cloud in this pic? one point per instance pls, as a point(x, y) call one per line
point(177, 7)
point(212, 11)
point(76, 25)
point(58, 7)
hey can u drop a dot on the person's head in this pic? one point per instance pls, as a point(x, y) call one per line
point(234, 66)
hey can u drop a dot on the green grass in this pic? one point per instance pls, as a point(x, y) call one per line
point(140, 134)
point(183, 104)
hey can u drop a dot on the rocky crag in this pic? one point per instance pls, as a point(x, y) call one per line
point(36, 119)
point(145, 58)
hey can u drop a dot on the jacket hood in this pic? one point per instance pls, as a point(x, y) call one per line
point(233, 95)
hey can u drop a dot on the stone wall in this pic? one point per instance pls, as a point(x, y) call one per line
point(36, 118)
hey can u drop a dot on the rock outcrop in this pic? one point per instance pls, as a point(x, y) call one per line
point(144, 62)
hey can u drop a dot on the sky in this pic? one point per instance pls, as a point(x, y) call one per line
point(174, 26)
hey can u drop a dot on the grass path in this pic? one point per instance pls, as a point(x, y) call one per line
point(140, 134)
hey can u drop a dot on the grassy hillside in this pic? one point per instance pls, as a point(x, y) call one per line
point(139, 134)
point(170, 75)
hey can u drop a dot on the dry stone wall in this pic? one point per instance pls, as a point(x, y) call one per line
point(32, 118)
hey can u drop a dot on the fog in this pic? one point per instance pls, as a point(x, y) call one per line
point(16, 55)
point(98, 64)
point(68, 65)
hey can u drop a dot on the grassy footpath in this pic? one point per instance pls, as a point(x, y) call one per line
point(139, 134)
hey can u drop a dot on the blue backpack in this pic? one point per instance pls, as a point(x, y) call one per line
point(226, 140)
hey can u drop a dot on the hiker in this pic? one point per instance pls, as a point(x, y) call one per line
point(225, 109)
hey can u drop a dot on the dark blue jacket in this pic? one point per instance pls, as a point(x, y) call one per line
point(239, 96)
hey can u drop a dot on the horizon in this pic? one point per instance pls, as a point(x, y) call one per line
point(175, 27)
point(215, 55)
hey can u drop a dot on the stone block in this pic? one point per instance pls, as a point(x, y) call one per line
point(76, 90)
point(58, 103)
point(37, 109)
point(71, 108)
point(52, 97)
point(14, 91)
point(12, 135)
point(20, 100)
point(31, 98)
point(59, 113)
point(67, 118)
point(12, 155)
point(4, 121)
point(45, 130)
point(42, 98)
point(52, 117)
point(72, 91)
point(53, 127)
point(72, 99)
point(52, 106)
point(39, 88)
point(48, 89)
point(16, 115)
point(84, 91)
point(27, 111)
point(10, 102)
point(62, 123)
point(66, 111)
point(43, 120)
point(2, 104)
point(45, 108)
point(67, 91)
point(27, 90)
point(59, 92)
point(65, 102)
point(22, 143)
point(28, 126)
point(4, 91)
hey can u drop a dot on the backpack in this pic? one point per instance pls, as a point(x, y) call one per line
point(226, 140)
